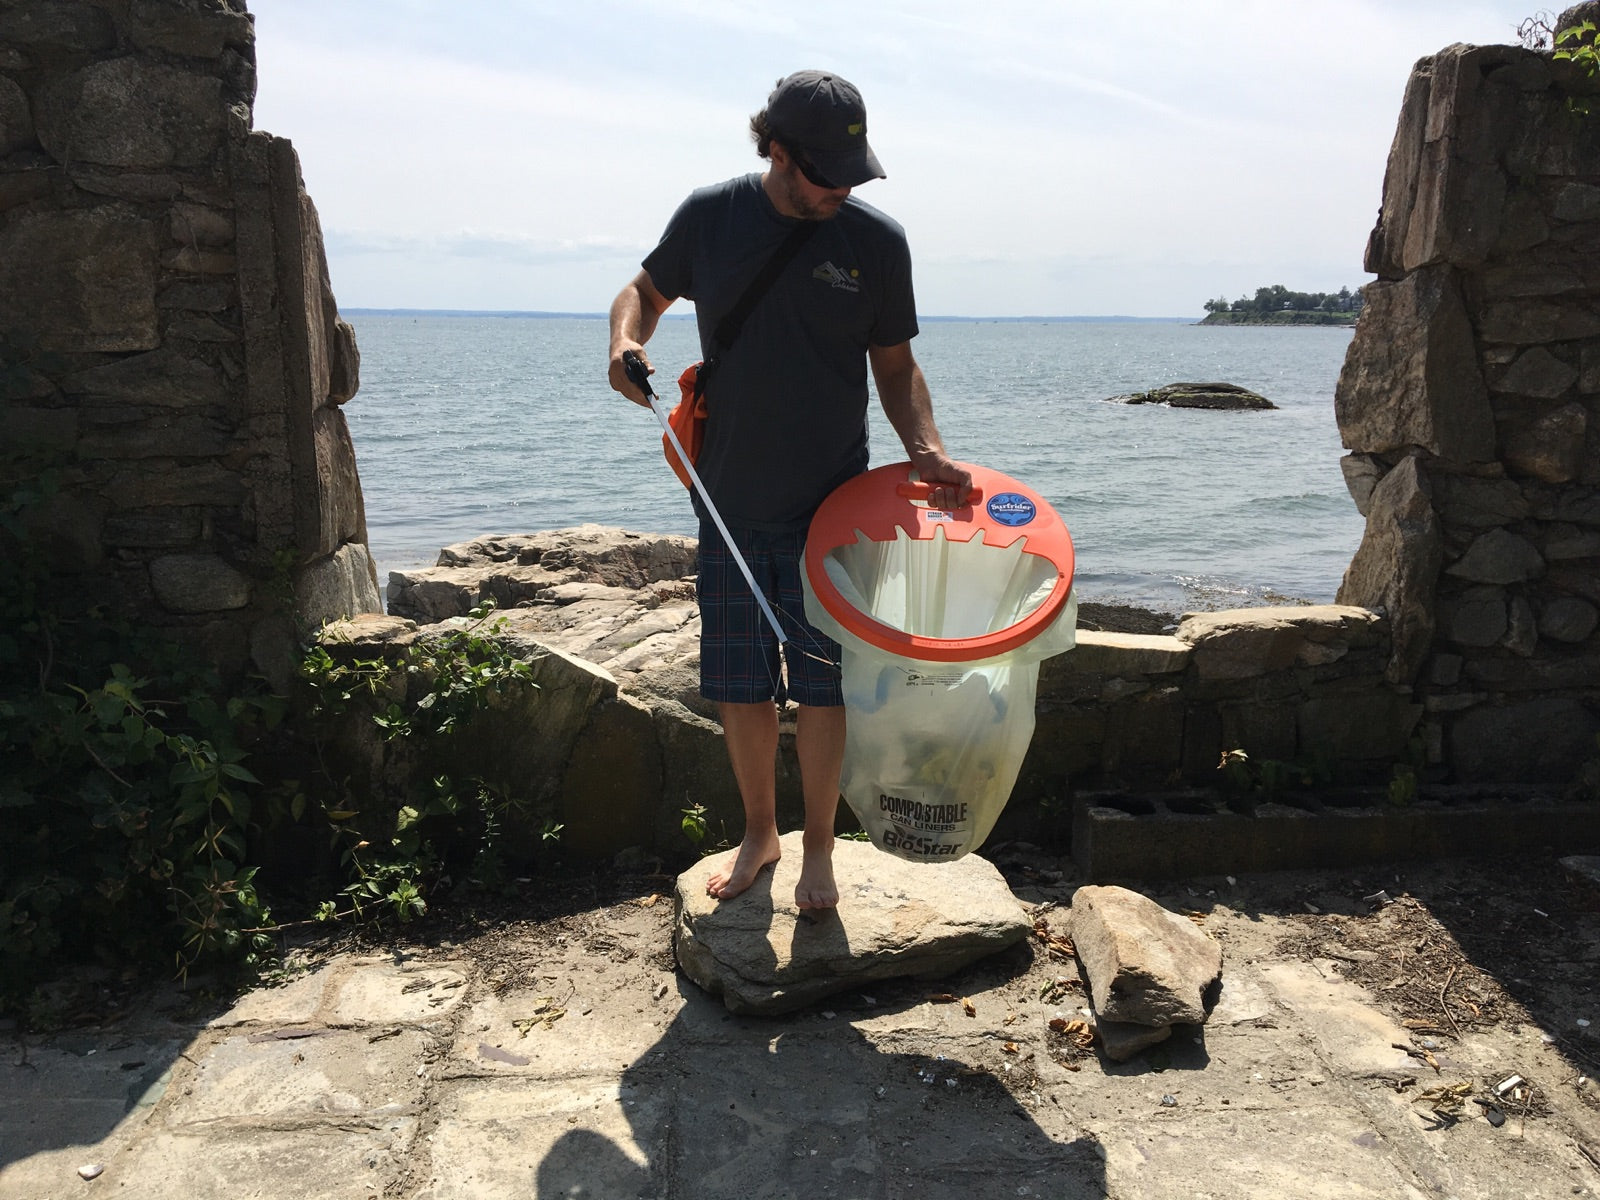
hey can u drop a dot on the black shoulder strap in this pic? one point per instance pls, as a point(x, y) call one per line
point(728, 328)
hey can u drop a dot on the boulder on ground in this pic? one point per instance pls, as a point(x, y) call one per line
point(1200, 395)
point(762, 955)
point(1146, 966)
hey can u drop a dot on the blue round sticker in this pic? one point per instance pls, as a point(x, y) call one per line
point(1009, 508)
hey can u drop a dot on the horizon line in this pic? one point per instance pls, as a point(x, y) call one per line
point(685, 316)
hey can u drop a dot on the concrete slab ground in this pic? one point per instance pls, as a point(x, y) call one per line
point(565, 1057)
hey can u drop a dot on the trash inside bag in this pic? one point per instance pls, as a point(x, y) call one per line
point(943, 618)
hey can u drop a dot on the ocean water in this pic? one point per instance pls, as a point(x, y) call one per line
point(469, 425)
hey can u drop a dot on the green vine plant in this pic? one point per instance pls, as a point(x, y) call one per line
point(432, 691)
point(1576, 44)
point(131, 797)
point(123, 785)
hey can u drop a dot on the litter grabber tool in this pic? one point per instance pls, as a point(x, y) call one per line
point(635, 367)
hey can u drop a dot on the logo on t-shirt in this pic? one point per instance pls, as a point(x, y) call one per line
point(849, 281)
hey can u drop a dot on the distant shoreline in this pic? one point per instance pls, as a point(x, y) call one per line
point(1336, 320)
point(689, 316)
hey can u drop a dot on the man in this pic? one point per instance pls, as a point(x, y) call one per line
point(788, 423)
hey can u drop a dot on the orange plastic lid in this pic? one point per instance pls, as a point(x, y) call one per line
point(877, 504)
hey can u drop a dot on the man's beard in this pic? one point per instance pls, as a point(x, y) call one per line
point(796, 200)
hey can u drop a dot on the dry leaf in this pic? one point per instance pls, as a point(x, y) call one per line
point(971, 1010)
point(650, 900)
point(1199, 918)
point(1011, 1019)
point(941, 998)
point(1010, 1048)
point(1058, 1024)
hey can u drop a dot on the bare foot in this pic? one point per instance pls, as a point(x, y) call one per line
point(739, 870)
point(816, 888)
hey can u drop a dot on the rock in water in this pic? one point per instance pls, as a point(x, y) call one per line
point(1145, 965)
point(1200, 395)
point(894, 918)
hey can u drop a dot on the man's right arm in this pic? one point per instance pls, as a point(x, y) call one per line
point(634, 314)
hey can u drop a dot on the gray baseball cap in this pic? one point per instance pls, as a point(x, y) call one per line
point(823, 117)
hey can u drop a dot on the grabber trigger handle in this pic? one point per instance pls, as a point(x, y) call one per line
point(635, 368)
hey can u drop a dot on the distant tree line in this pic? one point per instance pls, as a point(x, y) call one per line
point(1278, 298)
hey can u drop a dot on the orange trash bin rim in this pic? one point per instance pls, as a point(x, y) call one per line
point(877, 504)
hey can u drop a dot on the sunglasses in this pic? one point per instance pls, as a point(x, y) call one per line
point(813, 176)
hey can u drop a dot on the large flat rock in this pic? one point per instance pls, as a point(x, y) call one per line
point(895, 918)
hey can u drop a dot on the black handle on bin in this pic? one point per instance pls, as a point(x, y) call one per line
point(921, 491)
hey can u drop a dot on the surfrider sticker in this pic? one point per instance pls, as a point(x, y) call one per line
point(1010, 508)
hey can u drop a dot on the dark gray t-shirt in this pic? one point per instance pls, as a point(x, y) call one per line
point(788, 401)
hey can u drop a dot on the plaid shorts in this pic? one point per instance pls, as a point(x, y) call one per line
point(739, 661)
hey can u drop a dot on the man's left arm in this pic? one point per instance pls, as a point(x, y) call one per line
point(909, 407)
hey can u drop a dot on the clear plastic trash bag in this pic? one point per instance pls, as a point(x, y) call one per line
point(934, 745)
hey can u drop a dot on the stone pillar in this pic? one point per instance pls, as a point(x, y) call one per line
point(171, 358)
point(1470, 402)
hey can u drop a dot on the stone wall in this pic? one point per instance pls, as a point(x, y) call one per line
point(171, 356)
point(1470, 402)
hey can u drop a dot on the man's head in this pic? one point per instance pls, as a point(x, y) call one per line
point(821, 121)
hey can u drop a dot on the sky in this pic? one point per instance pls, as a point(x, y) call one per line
point(1046, 157)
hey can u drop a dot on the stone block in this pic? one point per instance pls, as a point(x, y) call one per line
point(502, 1034)
point(1537, 373)
point(1522, 627)
point(1145, 964)
point(388, 993)
point(521, 744)
point(1568, 619)
point(308, 1072)
point(1563, 542)
point(160, 483)
point(133, 113)
point(895, 919)
point(200, 225)
point(1551, 447)
point(1247, 642)
point(328, 1159)
point(341, 512)
point(1411, 376)
point(1475, 617)
point(114, 434)
point(344, 363)
point(1524, 322)
point(1144, 736)
point(1125, 655)
point(1396, 567)
point(1498, 556)
point(1361, 475)
point(1535, 674)
point(80, 280)
point(505, 1139)
point(1386, 247)
point(612, 785)
point(198, 583)
point(336, 586)
point(60, 25)
point(1542, 740)
point(1473, 501)
point(193, 30)
point(1370, 724)
point(159, 378)
point(1522, 227)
